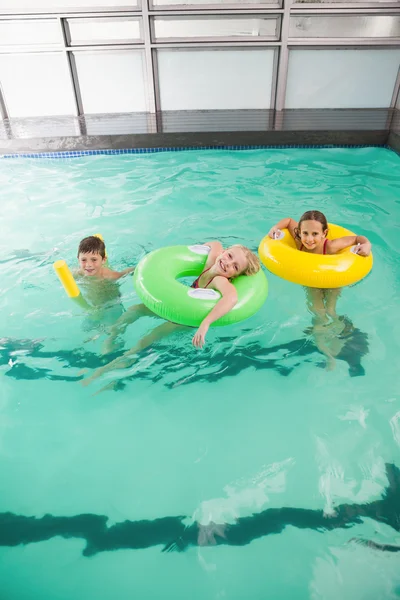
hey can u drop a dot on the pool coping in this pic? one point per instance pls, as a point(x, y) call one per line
point(69, 147)
point(127, 151)
point(70, 136)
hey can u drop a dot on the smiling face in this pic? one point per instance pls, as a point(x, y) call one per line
point(312, 235)
point(91, 263)
point(231, 263)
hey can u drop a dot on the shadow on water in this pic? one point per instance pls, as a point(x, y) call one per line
point(173, 535)
point(282, 358)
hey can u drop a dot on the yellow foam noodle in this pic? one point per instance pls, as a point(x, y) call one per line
point(66, 278)
point(282, 258)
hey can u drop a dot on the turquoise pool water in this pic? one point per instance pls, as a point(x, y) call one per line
point(255, 467)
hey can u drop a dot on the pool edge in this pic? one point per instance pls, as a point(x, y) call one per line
point(68, 147)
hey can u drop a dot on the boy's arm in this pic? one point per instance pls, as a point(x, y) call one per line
point(114, 275)
point(126, 271)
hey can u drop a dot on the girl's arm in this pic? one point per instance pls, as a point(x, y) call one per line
point(223, 306)
point(363, 244)
point(287, 223)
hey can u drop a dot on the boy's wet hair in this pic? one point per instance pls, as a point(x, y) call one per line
point(92, 245)
point(311, 215)
point(253, 263)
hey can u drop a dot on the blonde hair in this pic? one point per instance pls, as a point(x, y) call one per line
point(253, 263)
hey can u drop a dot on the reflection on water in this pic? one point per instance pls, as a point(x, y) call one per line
point(174, 535)
point(283, 358)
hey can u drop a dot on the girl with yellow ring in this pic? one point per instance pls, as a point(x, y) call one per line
point(346, 258)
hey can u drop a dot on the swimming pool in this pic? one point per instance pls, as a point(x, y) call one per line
point(253, 465)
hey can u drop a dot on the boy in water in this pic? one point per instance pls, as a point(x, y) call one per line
point(97, 282)
point(92, 258)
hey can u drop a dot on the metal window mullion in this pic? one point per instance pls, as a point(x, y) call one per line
point(107, 44)
point(393, 102)
point(344, 13)
point(345, 7)
point(189, 44)
point(136, 16)
point(215, 9)
point(4, 115)
point(275, 67)
point(271, 12)
point(150, 82)
point(396, 91)
point(73, 74)
point(338, 45)
point(103, 46)
point(3, 107)
point(154, 12)
point(282, 67)
point(256, 40)
point(159, 120)
point(77, 12)
point(365, 42)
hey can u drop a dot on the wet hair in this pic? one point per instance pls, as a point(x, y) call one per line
point(253, 263)
point(311, 215)
point(92, 245)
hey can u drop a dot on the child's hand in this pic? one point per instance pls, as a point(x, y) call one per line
point(200, 336)
point(274, 232)
point(363, 249)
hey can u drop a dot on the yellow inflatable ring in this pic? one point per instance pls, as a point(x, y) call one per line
point(282, 258)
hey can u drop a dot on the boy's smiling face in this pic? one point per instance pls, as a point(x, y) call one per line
point(91, 263)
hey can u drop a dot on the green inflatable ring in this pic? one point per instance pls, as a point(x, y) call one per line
point(156, 284)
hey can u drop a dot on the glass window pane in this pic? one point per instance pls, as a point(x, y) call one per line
point(45, 127)
point(215, 79)
point(28, 88)
point(139, 122)
point(29, 6)
point(103, 30)
point(334, 26)
point(111, 82)
point(189, 3)
point(214, 27)
point(341, 78)
point(215, 120)
point(27, 32)
point(365, 119)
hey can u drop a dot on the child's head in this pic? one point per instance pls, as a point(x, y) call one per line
point(312, 229)
point(237, 260)
point(91, 255)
